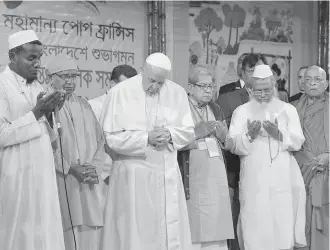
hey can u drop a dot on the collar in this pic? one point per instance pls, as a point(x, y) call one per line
point(242, 83)
point(20, 80)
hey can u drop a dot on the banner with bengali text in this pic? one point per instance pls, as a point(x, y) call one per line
point(98, 35)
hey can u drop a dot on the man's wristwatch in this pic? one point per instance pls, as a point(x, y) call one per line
point(249, 137)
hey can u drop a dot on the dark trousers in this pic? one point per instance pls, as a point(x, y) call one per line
point(235, 207)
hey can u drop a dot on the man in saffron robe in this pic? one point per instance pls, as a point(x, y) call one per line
point(30, 216)
point(209, 204)
point(313, 158)
point(79, 159)
point(146, 119)
point(271, 190)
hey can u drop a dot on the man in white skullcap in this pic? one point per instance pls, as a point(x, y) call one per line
point(30, 216)
point(145, 120)
point(263, 132)
point(79, 160)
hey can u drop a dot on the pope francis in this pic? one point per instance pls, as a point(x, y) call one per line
point(146, 119)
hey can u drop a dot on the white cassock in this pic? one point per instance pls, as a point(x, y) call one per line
point(272, 195)
point(97, 105)
point(102, 189)
point(146, 207)
point(30, 216)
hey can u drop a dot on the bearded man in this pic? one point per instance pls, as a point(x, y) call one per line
point(313, 158)
point(146, 119)
point(271, 189)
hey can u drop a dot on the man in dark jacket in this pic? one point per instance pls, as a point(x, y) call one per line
point(234, 85)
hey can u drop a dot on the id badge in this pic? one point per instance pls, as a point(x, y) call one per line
point(202, 145)
point(212, 147)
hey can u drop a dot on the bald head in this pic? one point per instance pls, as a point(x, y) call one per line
point(315, 82)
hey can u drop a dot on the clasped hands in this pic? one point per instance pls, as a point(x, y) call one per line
point(159, 138)
point(84, 174)
point(271, 128)
point(217, 128)
point(46, 104)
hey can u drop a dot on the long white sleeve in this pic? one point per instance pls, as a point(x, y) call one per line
point(130, 143)
point(290, 127)
point(237, 141)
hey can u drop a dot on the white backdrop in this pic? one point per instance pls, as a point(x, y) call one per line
point(98, 35)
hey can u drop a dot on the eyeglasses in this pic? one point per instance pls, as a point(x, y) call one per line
point(309, 80)
point(205, 86)
point(265, 91)
point(67, 77)
point(249, 71)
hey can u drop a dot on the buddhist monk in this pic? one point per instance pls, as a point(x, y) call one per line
point(263, 132)
point(79, 159)
point(313, 158)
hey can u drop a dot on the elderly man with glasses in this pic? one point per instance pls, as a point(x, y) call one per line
point(264, 132)
point(313, 158)
point(79, 159)
point(208, 204)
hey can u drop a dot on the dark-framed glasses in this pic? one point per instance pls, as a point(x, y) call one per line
point(204, 86)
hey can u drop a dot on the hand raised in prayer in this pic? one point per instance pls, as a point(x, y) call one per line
point(272, 129)
point(203, 129)
point(322, 159)
point(84, 174)
point(221, 130)
point(159, 137)
point(46, 104)
point(253, 128)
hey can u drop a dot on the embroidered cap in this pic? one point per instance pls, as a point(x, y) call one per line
point(262, 71)
point(21, 37)
point(159, 60)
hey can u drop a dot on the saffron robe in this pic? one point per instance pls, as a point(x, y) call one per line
point(315, 122)
point(30, 216)
point(272, 194)
point(146, 207)
point(209, 205)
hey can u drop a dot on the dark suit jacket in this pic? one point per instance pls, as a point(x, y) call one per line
point(295, 97)
point(229, 87)
point(228, 103)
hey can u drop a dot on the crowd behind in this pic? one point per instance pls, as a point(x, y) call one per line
point(151, 166)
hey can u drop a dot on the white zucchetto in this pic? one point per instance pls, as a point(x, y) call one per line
point(159, 60)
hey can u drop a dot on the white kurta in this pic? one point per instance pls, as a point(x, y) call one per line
point(146, 207)
point(272, 195)
point(30, 216)
point(97, 106)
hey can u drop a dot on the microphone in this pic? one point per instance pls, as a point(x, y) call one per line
point(56, 121)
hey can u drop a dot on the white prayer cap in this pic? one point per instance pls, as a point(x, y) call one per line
point(60, 63)
point(21, 37)
point(262, 71)
point(159, 60)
